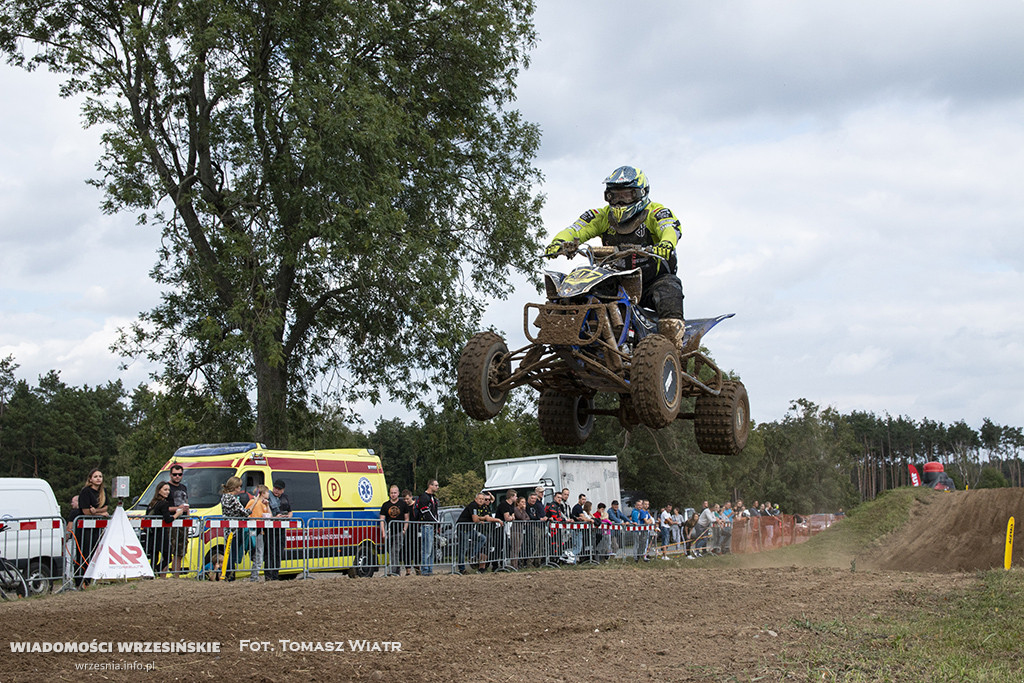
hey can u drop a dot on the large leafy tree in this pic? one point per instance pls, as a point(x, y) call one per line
point(337, 182)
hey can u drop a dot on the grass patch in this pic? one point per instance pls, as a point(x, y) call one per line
point(971, 635)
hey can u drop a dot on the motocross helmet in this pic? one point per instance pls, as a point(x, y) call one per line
point(626, 191)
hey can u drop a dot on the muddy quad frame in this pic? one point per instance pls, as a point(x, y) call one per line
point(593, 336)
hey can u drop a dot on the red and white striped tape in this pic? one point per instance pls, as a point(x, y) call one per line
point(91, 523)
point(34, 525)
point(254, 523)
point(570, 525)
point(147, 523)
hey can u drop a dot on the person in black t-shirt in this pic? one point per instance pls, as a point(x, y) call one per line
point(471, 541)
point(506, 515)
point(92, 501)
point(535, 529)
point(393, 519)
point(178, 500)
point(426, 508)
point(412, 535)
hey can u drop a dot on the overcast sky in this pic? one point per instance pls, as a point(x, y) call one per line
point(850, 178)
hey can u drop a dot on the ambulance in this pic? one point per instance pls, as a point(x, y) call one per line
point(337, 493)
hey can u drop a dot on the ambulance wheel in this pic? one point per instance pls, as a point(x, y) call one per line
point(364, 564)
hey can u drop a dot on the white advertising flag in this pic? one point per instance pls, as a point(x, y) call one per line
point(119, 554)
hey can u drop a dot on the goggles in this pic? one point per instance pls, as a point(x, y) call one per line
point(622, 196)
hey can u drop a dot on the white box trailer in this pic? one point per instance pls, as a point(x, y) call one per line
point(597, 476)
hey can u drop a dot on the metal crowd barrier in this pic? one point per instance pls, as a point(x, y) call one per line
point(232, 548)
point(167, 544)
point(355, 546)
point(35, 545)
point(48, 551)
point(421, 547)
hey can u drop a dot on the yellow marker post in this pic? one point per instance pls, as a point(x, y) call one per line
point(227, 552)
point(1008, 557)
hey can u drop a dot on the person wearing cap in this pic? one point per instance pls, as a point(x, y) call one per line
point(631, 219)
point(280, 508)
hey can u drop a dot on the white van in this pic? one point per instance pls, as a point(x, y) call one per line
point(33, 532)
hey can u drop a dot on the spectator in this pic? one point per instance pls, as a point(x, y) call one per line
point(689, 534)
point(258, 508)
point(412, 536)
point(535, 530)
point(178, 501)
point(212, 569)
point(491, 526)
point(702, 531)
point(713, 532)
point(725, 528)
point(280, 508)
point(616, 517)
point(426, 507)
point(553, 511)
point(92, 501)
point(393, 519)
point(505, 516)
point(73, 514)
point(665, 522)
point(232, 507)
point(540, 494)
point(615, 514)
point(471, 540)
point(602, 528)
point(520, 550)
point(579, 516)
point(677, 526)
point(768, 523)
point(157, 538)
point(642, 517)
point(566, 507)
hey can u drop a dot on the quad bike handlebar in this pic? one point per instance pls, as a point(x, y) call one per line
point(599, 255)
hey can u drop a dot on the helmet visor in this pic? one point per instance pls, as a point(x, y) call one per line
point(622, 196)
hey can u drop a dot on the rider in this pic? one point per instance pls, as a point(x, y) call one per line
point(631, 218)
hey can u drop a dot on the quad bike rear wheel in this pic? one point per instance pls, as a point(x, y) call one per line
point(722, 423)
point(565, 420)
point(484, 362)
point(655, 382)
point(628, 419)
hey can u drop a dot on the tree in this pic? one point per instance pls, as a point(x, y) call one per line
point(336, 182)
point(461, 488)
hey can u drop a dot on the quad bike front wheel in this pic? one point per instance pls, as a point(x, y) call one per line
point(484, 362)
point(722, 423)
point(565, 420)
point(655, 382)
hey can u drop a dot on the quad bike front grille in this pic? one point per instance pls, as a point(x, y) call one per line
point(565, 324)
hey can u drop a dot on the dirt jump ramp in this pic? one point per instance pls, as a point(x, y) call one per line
point(953, 532)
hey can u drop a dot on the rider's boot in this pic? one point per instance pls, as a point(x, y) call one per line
point(672, 329)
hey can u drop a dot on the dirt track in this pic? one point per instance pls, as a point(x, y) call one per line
point(692, 621)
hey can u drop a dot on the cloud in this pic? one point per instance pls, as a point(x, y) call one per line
point(847, 175)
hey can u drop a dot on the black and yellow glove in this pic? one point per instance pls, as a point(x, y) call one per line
point(554, 249)
point(664, 249)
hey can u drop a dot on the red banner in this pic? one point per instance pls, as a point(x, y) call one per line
point(915, 478)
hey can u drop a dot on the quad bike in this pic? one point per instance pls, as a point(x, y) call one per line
point(592, 335)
